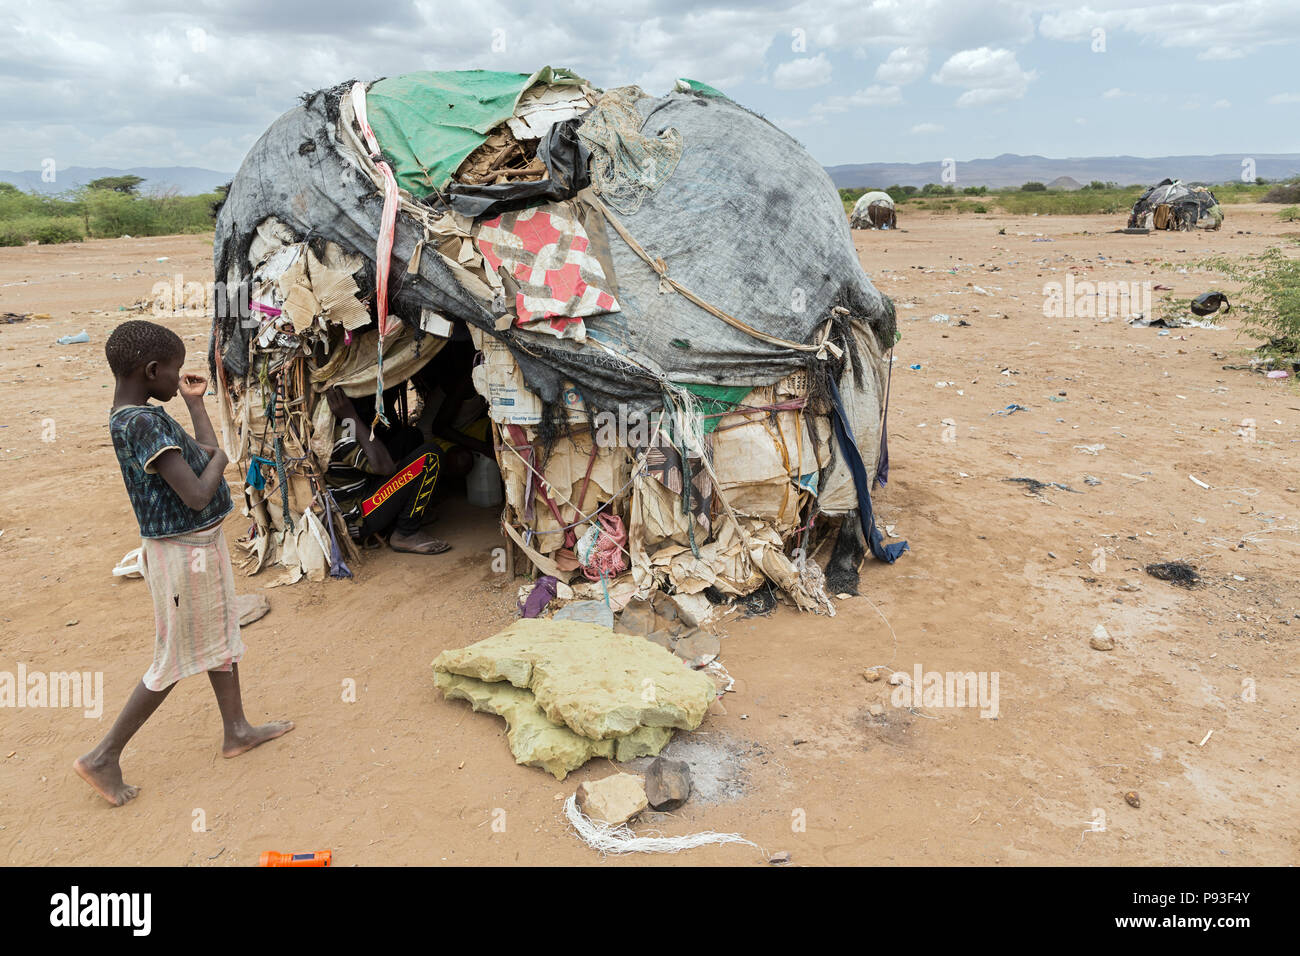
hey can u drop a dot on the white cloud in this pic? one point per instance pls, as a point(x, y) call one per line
point(74, 76)
point(1221, 52)
point(921, 128)
point(1277, 99)
point(1222, 104)
point(1114, 93)
point(803, 74)
point(1220, 30)
point(872, 96)
point(990, 76)
point(903, 65)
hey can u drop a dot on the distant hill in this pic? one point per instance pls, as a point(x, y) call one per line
point(1012, 170)
point(1005, 170)
point(189, 180)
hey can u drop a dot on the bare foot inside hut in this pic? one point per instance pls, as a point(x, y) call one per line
point(250, 737)
point(421, 542)
point(105, 775)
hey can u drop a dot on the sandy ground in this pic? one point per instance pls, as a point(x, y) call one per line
point(998, 581)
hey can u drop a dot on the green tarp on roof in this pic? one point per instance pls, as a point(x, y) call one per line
point(685, 84)
point(427, 123)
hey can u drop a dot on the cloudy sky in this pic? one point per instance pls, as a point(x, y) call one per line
point(147, 83)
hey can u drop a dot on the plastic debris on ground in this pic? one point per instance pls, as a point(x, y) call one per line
point(1177, 573)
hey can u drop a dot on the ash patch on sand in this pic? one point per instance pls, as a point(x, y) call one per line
point(719, 764)
point(891, 726)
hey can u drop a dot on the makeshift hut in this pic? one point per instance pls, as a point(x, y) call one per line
point(1171, 205)
point(874, 210)
point(684, 365)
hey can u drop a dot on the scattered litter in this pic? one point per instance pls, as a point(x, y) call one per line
point(1206, 738)
point(1132, 799)
point(1089, 449)
point(589, 612)
point(1197, 481)
point(1208, 303)
point(1011, 409)
point(915, 368)
point(131, 565)
point(79, 338)
point(9, 318)
point(251, 607)
point(1091, 480)
point(270, 858)
point(1178, 573)
point(539, 596)
point(1277, 373)
point(941, 318)
point(620, 839)
point(1033, 486)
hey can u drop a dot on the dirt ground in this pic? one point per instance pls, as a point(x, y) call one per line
point(999, 580)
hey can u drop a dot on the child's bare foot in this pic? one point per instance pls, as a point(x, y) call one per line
point(250, 737)
point(106, 777)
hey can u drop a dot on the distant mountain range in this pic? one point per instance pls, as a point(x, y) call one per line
point(188, 180)
point(1005, 170)
point(1012, 170)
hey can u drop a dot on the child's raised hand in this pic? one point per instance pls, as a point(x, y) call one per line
point(193, 385)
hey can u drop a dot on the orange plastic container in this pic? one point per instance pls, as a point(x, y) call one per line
point(319, 858)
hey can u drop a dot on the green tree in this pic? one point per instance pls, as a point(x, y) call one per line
point(118, 184)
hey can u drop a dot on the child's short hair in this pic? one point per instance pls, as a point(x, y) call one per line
point(137, 342)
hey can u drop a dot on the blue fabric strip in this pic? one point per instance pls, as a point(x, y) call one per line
point(849, 448)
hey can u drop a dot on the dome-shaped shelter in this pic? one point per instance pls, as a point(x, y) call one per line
point(681, 359)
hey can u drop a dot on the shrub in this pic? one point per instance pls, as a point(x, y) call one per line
point(1283, 192)
point(1289, 214)
point(1034, 188)
point(53, 231)
point(25, 229)
point(1271, 293)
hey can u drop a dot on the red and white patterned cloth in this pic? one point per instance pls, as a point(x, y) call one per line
point(547, 252)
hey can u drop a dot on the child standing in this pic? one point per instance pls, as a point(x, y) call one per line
point(176, 487)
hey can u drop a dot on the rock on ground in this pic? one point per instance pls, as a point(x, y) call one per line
point(613, 800)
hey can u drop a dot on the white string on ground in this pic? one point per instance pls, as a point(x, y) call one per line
point(875, 667)
point(621, 839)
